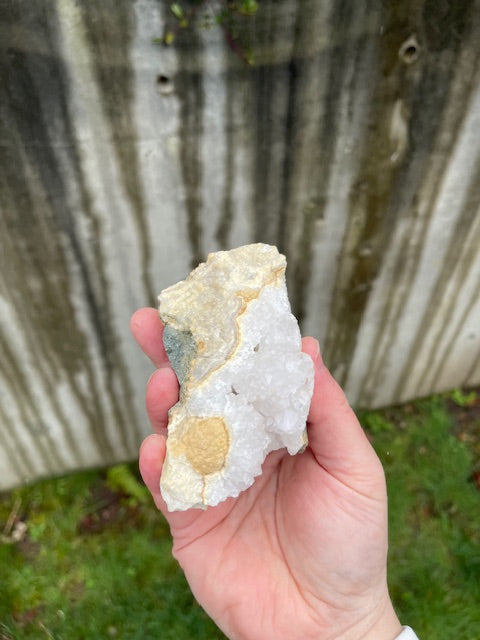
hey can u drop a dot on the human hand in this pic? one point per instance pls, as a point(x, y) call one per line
point(302, 552)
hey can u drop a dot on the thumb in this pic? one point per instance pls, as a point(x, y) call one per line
point(335, 436)
point(151, 459)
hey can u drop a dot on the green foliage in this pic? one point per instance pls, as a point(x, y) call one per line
point(376, 423)
point(247, 7)
point(464, 398)
point(179, 13)
point(227, 15)
point(121, 478)
point(434, 516)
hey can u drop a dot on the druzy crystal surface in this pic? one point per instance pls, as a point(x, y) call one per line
point(245, 387)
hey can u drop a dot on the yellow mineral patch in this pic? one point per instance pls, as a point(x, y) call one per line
point(252, 294)
point(205, 443)
point(248, 296)
point(276, 276)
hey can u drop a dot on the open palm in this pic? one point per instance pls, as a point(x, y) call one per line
point(302, 552)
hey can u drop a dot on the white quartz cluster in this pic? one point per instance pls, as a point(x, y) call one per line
point(246, 386)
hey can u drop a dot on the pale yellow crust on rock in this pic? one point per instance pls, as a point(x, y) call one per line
point(204, 442)
point(209, 297)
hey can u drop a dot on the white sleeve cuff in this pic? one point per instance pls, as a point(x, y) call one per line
point(407, 634)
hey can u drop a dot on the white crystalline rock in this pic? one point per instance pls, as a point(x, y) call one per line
point(246, 386)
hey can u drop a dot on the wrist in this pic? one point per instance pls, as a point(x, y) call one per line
point(381, 623)
point(386, 627)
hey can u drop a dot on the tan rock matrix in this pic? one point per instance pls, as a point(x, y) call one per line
point(245, 387)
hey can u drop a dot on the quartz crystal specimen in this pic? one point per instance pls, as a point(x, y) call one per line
point(245, 387)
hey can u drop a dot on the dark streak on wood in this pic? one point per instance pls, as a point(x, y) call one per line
point(109, 31)
point(189, 88)
point(289, 135)
point(26, 257)
point(35, 275)
point(333, 63)
point(468, 380)
point(22, 387)
point(117, 93)
point(16, 451)
point(460, 249)
point(226, 216)
point(264, 119)
point(373, 208)
point(51, 214)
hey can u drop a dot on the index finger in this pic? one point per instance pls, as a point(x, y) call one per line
point(147, 329)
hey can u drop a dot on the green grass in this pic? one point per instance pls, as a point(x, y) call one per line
point(434, 505)
point(93, 558)
point(94, 563)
